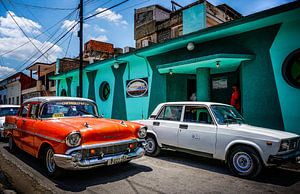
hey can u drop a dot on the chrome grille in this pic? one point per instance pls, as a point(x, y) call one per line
point(105, 151)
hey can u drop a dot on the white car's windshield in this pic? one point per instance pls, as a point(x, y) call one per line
point(68, 109)
point(8, 111)
point(226, 114)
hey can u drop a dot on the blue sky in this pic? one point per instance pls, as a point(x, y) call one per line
point(115, 26)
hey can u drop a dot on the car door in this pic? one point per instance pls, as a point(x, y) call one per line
point(166, 124)
point(197, 131)
point(29, 131)
point(20, 121)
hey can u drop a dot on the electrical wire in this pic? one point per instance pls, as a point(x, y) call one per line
point(48, 29)
point(43, 7)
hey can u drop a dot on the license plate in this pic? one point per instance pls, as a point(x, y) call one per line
point(117, 160)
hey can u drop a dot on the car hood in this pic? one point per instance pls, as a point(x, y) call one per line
point(262, 131)
point(99, 129)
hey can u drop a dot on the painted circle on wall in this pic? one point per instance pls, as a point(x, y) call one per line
point(291, 69)
point(104, 91)
point(137, 88)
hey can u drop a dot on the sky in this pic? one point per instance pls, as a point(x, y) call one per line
point(44, 22)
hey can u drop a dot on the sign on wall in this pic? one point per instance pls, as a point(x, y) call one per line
point(219, 83)
point(137, 87)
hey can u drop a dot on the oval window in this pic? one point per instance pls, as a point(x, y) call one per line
point(104, 91)
point(291, 69)
point(63, 92)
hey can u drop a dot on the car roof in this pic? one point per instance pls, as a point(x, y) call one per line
point(9, 106)
point(56, 98)
point(193, 103)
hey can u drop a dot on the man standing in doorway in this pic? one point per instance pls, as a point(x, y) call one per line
point(235, 98)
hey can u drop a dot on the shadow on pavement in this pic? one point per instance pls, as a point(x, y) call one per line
point(275, 176)
point(77, 181)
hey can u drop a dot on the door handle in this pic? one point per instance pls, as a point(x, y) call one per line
point(181, 126)
point(155, 123)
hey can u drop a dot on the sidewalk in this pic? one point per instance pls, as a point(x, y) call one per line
point(5, 186)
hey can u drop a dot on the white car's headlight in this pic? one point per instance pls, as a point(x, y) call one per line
point(142, 132)
point(73, 139)
point(288, 144)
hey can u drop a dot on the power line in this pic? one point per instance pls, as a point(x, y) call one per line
point(43, 7)
point(66, 17)
point(105, 10)
point(21, 29)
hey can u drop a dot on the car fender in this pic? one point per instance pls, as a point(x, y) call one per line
point(150, 131)
point(249, 143)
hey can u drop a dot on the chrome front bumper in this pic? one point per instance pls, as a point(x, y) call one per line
point(69, 162)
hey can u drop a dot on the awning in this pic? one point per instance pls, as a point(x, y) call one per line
point(227, 63)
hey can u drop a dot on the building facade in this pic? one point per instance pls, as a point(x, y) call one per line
point(156, 24)
point(259, 53)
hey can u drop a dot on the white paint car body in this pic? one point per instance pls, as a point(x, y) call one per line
point(2, 117)
point(215, 140)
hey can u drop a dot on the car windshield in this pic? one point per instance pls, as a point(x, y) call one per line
point(69, 109)
point(8, 111)
point(226, 114)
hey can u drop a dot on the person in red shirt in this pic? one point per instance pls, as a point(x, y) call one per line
point(235, 98)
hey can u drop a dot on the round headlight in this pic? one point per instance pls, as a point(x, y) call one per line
point(142, 132)
point(73, 139)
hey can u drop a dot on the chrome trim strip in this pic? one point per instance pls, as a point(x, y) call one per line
point(42, 136)
point(103, 145)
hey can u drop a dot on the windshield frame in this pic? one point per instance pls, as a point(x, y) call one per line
point(89, 102)
point(237, 121)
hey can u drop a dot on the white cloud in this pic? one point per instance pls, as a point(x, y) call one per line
point(111, 16)
point(4, 71)
point(68, 24)
point(12, 37)
point(101, 38)
point(99, 30)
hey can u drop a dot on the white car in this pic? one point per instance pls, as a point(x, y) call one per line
point(6, 110)
point(218, 131)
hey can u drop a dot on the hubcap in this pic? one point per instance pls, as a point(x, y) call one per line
point(242, 162)
point(150, 145)
point(50, 164)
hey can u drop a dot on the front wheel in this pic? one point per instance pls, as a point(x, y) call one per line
point(11, 144)
point(52, 169)
point(244, 162)
point(152, 148)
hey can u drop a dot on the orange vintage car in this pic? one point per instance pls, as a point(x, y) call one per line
point(67, 133)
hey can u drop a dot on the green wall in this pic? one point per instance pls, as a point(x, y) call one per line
point(286, 41)
point(136, 108)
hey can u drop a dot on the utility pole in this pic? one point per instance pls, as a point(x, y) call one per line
point(80, 35)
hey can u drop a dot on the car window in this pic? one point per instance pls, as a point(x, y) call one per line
point(34, 111)
point(197, 114)
point(170, 113)
point(24, 111)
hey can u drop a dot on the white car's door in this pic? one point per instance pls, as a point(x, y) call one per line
point(197, 131)
point(166, 125)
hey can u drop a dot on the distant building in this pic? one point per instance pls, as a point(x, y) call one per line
point(3, 91)
point(155, 24)
point(42, 86)
point(128, 49)
point(15, 84)
point(96, 50)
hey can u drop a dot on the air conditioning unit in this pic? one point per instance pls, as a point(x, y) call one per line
point(145, 43)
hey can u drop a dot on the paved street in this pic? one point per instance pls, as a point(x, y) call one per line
point(172, 172)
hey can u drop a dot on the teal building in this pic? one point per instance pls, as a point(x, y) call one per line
point(259, 53)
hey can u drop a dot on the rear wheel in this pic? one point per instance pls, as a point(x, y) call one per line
point(11, 144)
point(244, 161)
point(52, 169)
point(152, 148)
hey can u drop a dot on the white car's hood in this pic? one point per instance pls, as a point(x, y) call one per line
point(263, 131)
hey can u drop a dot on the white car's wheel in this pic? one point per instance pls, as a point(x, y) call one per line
point(152, 148)
point(244, 162)
point(52, 169)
